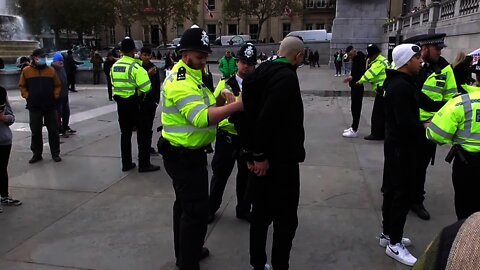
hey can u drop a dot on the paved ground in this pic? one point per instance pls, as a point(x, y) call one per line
point(84, 213)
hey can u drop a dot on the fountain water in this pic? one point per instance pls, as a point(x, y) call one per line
point(13, 41)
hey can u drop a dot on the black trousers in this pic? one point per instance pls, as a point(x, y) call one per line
point(378, 116)
point(96, 77)
point(37, 120)
point(109, 87)
point(147, 114)
point(4, 157)
point(274, 199)
point(190, 211)
point(128, 118)
point(425, 153)
point(398, 172)
point(71, 81)
point(227, 148)
point(63, 111)
point(466, 185)
point(356, 105)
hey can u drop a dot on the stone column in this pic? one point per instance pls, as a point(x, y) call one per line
point(359, 23)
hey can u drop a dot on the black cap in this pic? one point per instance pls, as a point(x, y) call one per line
point(247, 53)
point(38, 52)
point(372, 49)
point(349, 48)
point(194, 39)
point(127, 45)
point(428, 39)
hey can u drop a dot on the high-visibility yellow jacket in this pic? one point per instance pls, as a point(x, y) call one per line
point(226, 84)
point(458, 122)
point(185, 102)
point(439, 87)
point(129, 77)
point(375, 74)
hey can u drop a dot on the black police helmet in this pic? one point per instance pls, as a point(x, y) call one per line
point(247, 53)
point(128, 45)
point(372, 49)
point(194, 39)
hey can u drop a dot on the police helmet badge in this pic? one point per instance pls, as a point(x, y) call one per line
point(205, 38)
point(249, 52)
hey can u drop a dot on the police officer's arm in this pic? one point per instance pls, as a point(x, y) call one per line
point(370, 74)
point(428, 104)
point(217, 114)
point(450, 84)
point(445, 122)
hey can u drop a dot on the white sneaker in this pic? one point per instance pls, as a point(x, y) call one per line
point(345, 130)
point(400, 253)
point(350, 134)
point(268, 267)
point(385, 240)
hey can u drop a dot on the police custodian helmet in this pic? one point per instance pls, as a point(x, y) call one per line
point(128, 45)
point(194, 39)
point(247, 53)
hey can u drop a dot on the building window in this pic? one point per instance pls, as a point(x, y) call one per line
point(112, 35)
point(308, 26)
point(309, 3)
point(320, 26)
point(146, 34)
point(253, 30)
point(320, 3)
point(232, 29)
point(212, 32)
point(180, 30)
point(128, 31)
point(211, 5)
point(286, 29)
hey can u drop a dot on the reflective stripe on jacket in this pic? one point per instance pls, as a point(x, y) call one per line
point(128, 77)
point(458, 122)
point(439, 87)
point(376, 73)
point(185, 104)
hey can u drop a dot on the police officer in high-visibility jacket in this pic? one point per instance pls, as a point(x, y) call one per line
point(130, 84)
point(437, 81)
point(458, 123)
point(228, 143)
point(375, 75)
point(189, 117)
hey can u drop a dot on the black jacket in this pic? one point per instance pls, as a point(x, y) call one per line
point(154, 94)
point(71, 64)
point(359, 66)
point(273, 113)
point(463, 75)
point(107, 66)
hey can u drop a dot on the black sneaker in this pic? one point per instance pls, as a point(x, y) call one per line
point(57, 158)
point(64, 135)
point(70, 131)
point(420, 210)
point(149, 168)
point(128, 168)
point(34, 159)
point(9, 201)
point(372, 137)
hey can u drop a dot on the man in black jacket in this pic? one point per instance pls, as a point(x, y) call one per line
point(359, 66)
point(71, 70)
point(272, 97)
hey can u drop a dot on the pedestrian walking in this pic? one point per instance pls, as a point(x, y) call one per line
point(41, 87)
point(273, 90)
point(189, 118)
point(438, 82)
point(71, 70)
point(316, 58)
point(97, 62)
point(7, 118)
point(148, 107)
point(228, 144)
point(358, 60)
point(375, 75)
point(107, 67)
point(63, 106)
point(130, 85)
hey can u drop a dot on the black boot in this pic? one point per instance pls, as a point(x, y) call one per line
point(420, 210)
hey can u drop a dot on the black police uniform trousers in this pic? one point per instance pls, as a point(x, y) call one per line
point(357, 92)
point(425, 153)
point(147, 111)
point(398, 172)
point(378, 115)
point(71, 80)
point(129, 117)
point(227, 149)
point(274, 199)
point(466, 184)
point(188, 170)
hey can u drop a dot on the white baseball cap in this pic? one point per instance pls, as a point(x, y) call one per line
point(403, 53)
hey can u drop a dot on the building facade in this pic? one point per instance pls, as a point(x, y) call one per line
point(314, 14)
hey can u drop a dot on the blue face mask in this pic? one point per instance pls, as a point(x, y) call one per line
point(42, 61)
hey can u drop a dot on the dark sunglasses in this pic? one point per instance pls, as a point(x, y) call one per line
point(415, 49)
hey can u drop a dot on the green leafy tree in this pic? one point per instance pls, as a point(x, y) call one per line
point(165, 12)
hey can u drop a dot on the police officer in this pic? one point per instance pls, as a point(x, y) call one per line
point(438, 83)
point(375, 75)
point(189, 118)
point(130, 84)
point(227, 145)
point(458, 123)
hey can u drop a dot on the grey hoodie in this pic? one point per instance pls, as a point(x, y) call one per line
point(5, 132)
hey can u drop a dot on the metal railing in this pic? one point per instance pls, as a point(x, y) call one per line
point(447, 9)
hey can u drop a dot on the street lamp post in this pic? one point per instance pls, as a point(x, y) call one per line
point(220, 27)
